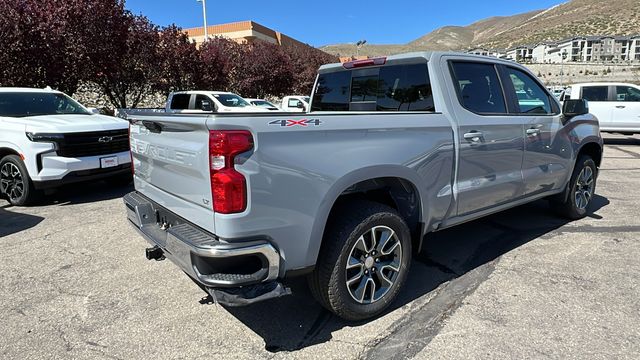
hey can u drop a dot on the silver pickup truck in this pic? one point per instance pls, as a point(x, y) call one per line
point(391, 150)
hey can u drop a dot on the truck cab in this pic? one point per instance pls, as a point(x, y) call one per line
point(295, 103)
point(208, 101)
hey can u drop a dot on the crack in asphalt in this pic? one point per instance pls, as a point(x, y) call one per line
point(628, 152)
point(414, 332)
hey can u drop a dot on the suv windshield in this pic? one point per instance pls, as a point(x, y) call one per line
point(21, 104)
point(231, 100)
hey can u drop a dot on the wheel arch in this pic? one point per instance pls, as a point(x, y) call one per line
point(395, 186)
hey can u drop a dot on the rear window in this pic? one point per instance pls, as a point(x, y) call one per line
point(388, 88)
point(180, 101)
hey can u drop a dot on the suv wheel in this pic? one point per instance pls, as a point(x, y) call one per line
point(15, 184)
point(582, 187)
point(363, 262)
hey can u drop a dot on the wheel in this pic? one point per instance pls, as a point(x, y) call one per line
point(363, 261)
point(582, 187)
point(15, 184)
point(120, 180)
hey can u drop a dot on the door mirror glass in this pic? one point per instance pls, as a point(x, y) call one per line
point(572, 108)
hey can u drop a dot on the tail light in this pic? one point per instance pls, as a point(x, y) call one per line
point(228, 187)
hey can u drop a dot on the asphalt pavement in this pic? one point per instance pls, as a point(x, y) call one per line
point(74, 283)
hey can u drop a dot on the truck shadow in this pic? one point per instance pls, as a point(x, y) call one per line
point(13, 222)
point(297, 321)
point(628, 140)
point(82, 193)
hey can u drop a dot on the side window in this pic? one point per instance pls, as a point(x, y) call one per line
point(293, 103)
point(595, 93)
point(180, 101)
point(532, 98)
point(405, 88)
point(200, 99)
point(627, 93)
point(332, 92)
point(478, 87)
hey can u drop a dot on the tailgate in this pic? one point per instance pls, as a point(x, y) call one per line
point(171, 161)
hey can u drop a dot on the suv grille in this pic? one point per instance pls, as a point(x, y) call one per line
point(94, 143)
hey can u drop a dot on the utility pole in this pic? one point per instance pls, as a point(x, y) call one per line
point(562, 59)
point(204, 16)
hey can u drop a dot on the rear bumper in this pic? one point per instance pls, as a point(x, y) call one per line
point(209, 261)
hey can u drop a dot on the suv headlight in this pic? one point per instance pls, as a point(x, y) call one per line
point(43, 137)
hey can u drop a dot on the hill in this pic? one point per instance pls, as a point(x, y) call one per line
point(573, 18)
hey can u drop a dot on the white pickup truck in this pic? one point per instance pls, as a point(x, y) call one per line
point(47, 139)
point(209, 101)
point(616, 105)
point(295, 103)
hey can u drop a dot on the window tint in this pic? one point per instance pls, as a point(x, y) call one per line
point(180, 101)
point(532, 99)
point(627, 93)
point(332, 92)
point(595, 93)
point(364, 88)
point(478, 87)
point(405, 88)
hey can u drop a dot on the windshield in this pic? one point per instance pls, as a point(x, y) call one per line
point(231, 100)
point(21, 104)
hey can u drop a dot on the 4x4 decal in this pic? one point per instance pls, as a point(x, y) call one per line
point(292, 122)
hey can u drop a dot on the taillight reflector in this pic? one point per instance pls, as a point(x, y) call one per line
point(228, 186)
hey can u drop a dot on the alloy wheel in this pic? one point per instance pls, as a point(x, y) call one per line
point(584, 188)
point(373, 265)
point(11, 181)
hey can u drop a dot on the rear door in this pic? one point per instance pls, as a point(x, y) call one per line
point(171, 161)
point(545, 164)
point(599, 102)
point(491, 139)
point(626, 108)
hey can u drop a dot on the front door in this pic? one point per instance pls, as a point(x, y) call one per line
point(546, 157)
point(491, 140)
point(626, 108)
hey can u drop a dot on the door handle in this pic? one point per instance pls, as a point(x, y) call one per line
point(620, 107)
point(473, 136)
point(533, 132)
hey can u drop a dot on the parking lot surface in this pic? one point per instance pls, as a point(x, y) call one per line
point(518, 284)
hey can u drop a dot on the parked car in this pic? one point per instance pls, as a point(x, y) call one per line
point(263, 104)
point(48, 139)
point(240, 203)
point(295, 103)
point(616, 105)
point(208, 101)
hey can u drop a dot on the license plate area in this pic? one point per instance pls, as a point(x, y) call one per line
point(108, 162)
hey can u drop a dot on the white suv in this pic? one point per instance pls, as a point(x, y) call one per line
point(48, 139)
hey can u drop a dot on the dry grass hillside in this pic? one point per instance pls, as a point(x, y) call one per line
point(573, 18)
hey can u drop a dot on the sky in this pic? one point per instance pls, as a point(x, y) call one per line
point(328, 22)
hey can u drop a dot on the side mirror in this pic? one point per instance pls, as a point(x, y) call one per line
point(573, 108)
point(206, 105)
point(300, 105)
point(94, 110)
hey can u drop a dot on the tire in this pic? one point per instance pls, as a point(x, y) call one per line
point(350, 231)
point(15, 184)
point(581, 189)
point(119, 180)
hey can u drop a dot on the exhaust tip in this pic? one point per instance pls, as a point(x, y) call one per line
point(154, 253)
